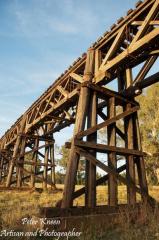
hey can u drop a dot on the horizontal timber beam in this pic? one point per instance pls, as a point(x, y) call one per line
point(102, 148)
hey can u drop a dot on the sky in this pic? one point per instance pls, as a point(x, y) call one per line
point(39, 39)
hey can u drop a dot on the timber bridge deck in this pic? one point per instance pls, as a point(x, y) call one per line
point(81, 94)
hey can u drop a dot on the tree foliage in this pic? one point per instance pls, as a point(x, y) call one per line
point(63, 152)
point(149, 127)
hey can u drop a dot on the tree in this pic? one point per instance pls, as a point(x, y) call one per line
point(63, 152)
point(149, 127)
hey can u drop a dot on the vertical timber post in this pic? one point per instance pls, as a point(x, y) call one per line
point(34, 167)
point(90, 196)
point(21, 158)
point(130, 164)
point(140, 164)
point(81, 114)
point(1, 166)
point(112, 162)
point(15, 152)
point(46, 165)
point(2, 160)
point(52, 158)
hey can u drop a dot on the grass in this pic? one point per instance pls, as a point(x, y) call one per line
point(16, 205)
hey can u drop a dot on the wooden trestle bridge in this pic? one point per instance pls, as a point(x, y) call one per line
point(80, 96)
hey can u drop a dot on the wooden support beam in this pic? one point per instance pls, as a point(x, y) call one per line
point(107, 122)
point(132, 90)
point(140, 160)
point(126, 53)
point(112, 162)
point(110, 170)
point(107, 93)
point(120, 133)
point(90, 196)
point(139, 23)
point(103, 148)
point(99, 181)
point(117, 41)
point(50, 103)
point(45, 176)
point(60, 126)
point(40, 178)
point(146, 22)
point(102, 115)
point(77, 77)
point(15, 153)
point(129, 78)
point(20, 171)
point(130, 166)
point(28, 176)
point(82, 109)
point(1, 169)
point(52, 158)
point(38, 148)
point(34, 168)
point(145, 69)
point(36, 151)
point(121, 80)
point(98, 59)
point(63, 91)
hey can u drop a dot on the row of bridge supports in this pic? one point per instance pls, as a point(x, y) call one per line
point(25, 164)
point(120, 121)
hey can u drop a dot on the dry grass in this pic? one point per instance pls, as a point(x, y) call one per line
point(16, 205)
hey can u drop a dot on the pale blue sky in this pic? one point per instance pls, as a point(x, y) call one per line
point(39, 39)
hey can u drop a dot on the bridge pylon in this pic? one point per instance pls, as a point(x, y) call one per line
point(122, 148)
